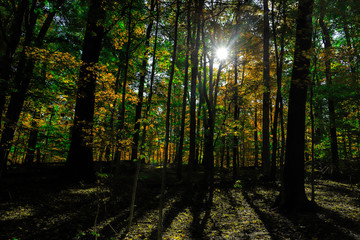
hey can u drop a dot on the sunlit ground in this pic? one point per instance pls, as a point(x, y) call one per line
point(237, 212)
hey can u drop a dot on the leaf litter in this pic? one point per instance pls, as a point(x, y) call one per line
point(226, 211)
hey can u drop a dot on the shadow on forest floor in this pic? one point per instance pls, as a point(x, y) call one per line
point(37, 205)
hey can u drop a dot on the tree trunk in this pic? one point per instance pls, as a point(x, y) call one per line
point(167, 124)
point(22, 80)
point(6, 61)
point(194, 73)
point(136, 135)
point(236, 108)
point(79, 162)
point(331, 103)
point(179, 153)
point(292, 195)
point(124, 84)
point(256, 147)
point(152, 76)
point(279, 69)
point(266, 96)
point(30, 152)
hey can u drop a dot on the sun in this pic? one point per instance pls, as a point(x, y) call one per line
point(222, 53)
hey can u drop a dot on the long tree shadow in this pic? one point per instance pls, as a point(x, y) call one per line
point(265, 218)
point(302, 226)
point(143, 206)
point(177, 207)
point(201, 203)
point(198, 201)
point(340, 221)
point(340, 190)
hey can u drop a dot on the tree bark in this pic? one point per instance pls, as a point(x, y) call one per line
point(6, 61)
point(279, 69)
point(292, 196)
point(194, 74)
point(79, 162)
point(331, 103)
point(235, 146)
point(266, 96)
point(179, 153)
point(167, 125)
point(256, 147)
point(22, 80)
point(136, 135)
point(124, 84)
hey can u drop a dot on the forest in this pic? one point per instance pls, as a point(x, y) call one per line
point(180, 119)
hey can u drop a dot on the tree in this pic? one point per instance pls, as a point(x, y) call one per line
point(167, 124)
point(266, 96)
point(279, 98)
point(143, 72)
point(328, 46)
point(79, 164)
point(292, 196)
point(195, 45)
point(7, 55)
point(179, 153)
point(23, 77)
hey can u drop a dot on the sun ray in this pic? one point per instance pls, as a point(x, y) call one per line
point(222, 53)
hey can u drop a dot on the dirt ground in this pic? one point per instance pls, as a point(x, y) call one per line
point(36, 204)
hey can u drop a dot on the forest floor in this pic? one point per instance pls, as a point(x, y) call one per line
point(37, 205)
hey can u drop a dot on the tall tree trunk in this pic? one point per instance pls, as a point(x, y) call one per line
point(279, 69)
point(79, 162)
point(256, 147)
point(179, 153)
point(235, 146)
point(331, 103)
point(136, 135)
point(292, 195)
point(194, 74)
point(199, 142)
point(6, 60)
point(138, 163)
point(167, 124)
point(266, 96)
point(22, 80)
point(124, 83)
point(312, 120)
point(152, 77)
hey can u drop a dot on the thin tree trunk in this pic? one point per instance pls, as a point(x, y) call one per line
point(138, 163)
point(167, 130)
point(179, 153)
point(266, 96)
point(312, 137)
point(194, 74)
point(256, 139)
point(126, 71)
point(136, 135)
point(22, 80)
point(331, 103)
point(279, 69)
point(227, 156)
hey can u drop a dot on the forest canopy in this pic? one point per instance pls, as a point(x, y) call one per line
point(194, 83)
